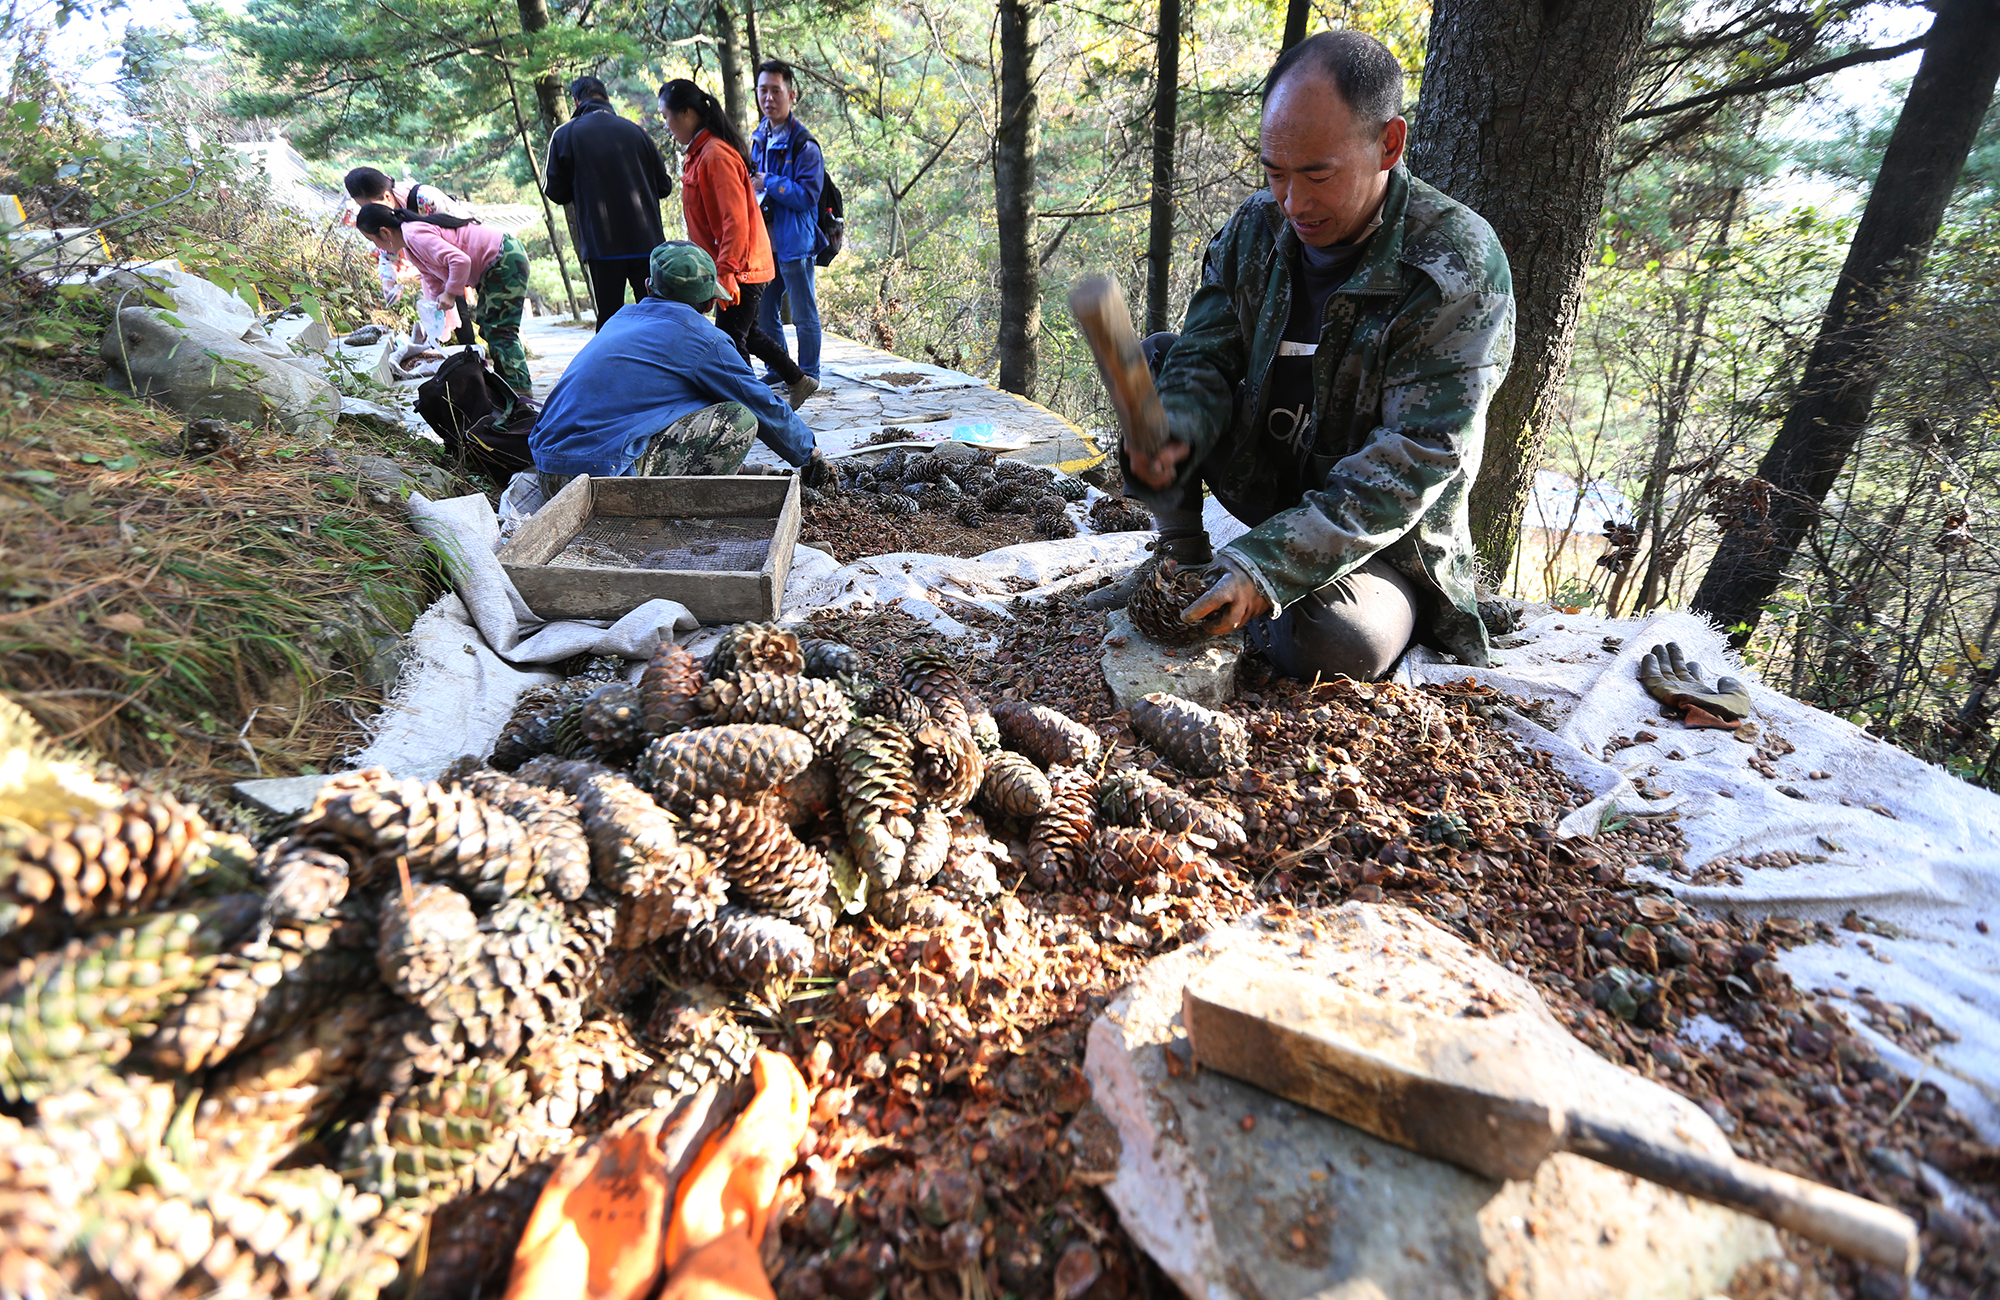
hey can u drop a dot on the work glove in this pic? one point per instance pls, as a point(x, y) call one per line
point(817, 471)
point(1680, 685)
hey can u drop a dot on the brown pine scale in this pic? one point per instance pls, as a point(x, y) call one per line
point(303, 880)
point(1135, 798)
point(814, 707)
point(1197, 740)
point(667, 690)
point(1162, 590)
point(612, 722)
point(1125, 855)
point(766, 864)
point(451, 833)
point(756, 648)
point(551, 816)
point(947, 766)
point(114, 862)
point(739, 759)
point(1061, 836)
point(1014, 786)
point(1052, 739)
point(804, 798)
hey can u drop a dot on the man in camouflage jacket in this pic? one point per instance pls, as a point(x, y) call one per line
point(1348, 442)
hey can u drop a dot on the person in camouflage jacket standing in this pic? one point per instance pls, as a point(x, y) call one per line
point(1330, 384)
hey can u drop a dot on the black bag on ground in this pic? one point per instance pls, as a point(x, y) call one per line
point(484, 424)
point(832, 223)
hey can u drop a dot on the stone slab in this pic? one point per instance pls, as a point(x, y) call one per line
point(205, 373)
point(283, 796)
point(1136, 665)
point(299, 332)
point(1237, 1193)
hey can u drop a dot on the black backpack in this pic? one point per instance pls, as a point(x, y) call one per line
point(483, 422)
point(832, 223)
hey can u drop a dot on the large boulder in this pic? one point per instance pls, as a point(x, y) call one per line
point(1237, 1193)
point(205, 372)
point(193, 297)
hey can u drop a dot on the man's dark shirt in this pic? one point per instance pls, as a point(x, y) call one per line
point(611, 169)
point(1319, 271)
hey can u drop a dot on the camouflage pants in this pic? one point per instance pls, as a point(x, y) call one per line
point(714, 440)
point(503, 291)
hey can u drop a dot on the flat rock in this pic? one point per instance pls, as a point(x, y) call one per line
point(383, 419)
point(206, 373)
point(283, 796)
point(299, 332)
point(1237, 1193)
point(194, 297)
point(1136, 665)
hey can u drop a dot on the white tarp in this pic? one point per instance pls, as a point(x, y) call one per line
point(1904, 844)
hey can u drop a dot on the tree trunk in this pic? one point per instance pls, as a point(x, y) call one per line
point(1166, 107)
point(750, 42)
point(1520, 106)
point(1920, 169)
point(735, 98)
point(549, 106)
point(1016, 141)
point(1297, 14)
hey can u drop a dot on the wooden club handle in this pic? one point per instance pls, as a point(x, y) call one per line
point(1098, 304)
point(1850, 1224)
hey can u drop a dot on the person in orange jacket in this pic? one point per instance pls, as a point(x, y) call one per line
point(724, 220)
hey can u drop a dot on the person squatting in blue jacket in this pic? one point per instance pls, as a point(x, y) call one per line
point(788, 172)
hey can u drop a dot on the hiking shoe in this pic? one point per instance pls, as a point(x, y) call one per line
point(1186, 548)
point(797, 391)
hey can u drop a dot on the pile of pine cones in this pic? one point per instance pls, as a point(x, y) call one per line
point(965, 488)
point(261, 1072)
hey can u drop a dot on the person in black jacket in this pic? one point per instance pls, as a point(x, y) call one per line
point(611, 169)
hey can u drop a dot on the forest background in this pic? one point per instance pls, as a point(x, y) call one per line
point(1730, 194)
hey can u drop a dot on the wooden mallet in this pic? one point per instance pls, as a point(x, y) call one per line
point(1482, 1097)
point(1098, 304)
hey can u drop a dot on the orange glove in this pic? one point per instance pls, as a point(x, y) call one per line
point(725, 1202)
point(596, 1231)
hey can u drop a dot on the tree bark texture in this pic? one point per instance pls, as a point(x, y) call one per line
point(1166, 110)
point(735, 98)
point(750, 43)
point(1920, 170)
point(1519, 110)
point(550, 107)
point(1017, 141)
point(1298, 13)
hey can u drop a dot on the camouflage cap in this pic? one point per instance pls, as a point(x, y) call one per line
point(684, 273)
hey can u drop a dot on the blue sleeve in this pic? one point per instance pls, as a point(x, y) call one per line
point(800, 191)
point(727, 378)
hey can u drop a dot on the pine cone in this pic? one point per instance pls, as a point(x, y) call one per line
point(804, 798)
point(947, 766)
point(1125, 855)
point(89, 861)
point(611, 721)
point(554, 824)
point(1061, 835)
point(877, 796)
point(698, 1041)
point(1070, 488)
point(1134, 798)
point(1162, 590)
point(914, 906)
point(744, 947)
point(1000, 497)
point(1052, 739)
point(902, 707)
point(1447, 828)
point(969, 515)
point(686, 891)
point(441, 1138)
point(1014, 786)
point(257, 992)
point(1198, 741)
point(756, 648)
point(525, 731)
point(766, 865)
point(738, 759)
point(255, 1110)
point(928, 848)
point(568, 1076)
point(631, 837)
point(69, 1014)
point(817, 709)
point(830, 659)
point(421, 938)
point(596, 669)
point(1054, 525)
point(896, 504)
point(449, 833)
point(931, 678)
point(667, 689)
point(528, 975)
point(1117, 515)
point(303, 881)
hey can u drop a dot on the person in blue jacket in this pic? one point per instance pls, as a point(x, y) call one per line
point(659, 390)
point(788, 173)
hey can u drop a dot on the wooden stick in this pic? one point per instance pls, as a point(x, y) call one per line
point(1098, 304)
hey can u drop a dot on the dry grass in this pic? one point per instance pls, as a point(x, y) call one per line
point(193, 620)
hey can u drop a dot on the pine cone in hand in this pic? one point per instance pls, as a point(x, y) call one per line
point(1162, 590)
point(1052, 739)
point(1198, 741)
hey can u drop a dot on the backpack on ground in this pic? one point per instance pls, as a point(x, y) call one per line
point(483, 422)
point(832, 223)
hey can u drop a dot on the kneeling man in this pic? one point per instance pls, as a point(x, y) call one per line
point(659, 390)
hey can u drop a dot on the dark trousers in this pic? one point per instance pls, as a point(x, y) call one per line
point(740, 324)
point(608, 278)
